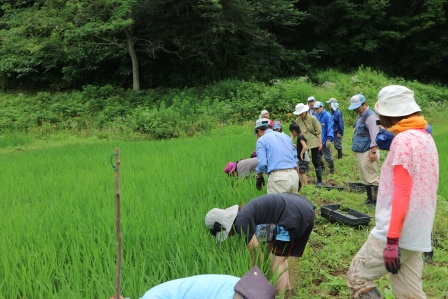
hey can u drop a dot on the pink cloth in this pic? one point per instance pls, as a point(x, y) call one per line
point(416, 151)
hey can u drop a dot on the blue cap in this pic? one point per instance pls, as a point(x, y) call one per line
point(277, 125)
point(356, 101)
point(318, 105)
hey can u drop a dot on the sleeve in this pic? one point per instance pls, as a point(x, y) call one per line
point(330, 130)
point(341, 123)
point(317, 126)
point(245, 227)
point(400, 200)
point(261, 157)
point(373, 129)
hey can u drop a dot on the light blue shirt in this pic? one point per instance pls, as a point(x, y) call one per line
point(275, 151)
point(210, 286)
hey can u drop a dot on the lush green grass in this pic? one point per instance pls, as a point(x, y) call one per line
point(58, 228)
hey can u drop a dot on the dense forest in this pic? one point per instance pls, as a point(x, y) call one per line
point(141, 44)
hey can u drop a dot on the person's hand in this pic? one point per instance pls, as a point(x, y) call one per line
point(338, 135)
point(372, 157)
point(392, 256)
point(260, 182)
point(328, 143)
point(319, 146)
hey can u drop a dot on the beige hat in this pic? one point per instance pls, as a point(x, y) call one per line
point(332, 100)
point(300, 108)
point(395, 101)
point(223, 217)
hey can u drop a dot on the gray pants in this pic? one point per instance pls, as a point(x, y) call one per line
point(326, 151)
point(337, 142)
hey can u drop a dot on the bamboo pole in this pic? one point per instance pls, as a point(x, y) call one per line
point(117, 223)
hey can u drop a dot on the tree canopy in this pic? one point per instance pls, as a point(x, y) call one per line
point(55, 44)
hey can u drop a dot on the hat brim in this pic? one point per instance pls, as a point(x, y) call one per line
point(408, 109)
point(354, 106)
point(305, 109)
point(231, 215)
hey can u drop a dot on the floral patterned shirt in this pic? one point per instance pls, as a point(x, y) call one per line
point(416, 151)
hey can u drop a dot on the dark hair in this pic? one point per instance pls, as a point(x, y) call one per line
point(295, 127)
point(263, 128)
point(389, 121)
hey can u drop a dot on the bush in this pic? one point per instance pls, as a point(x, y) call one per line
point(169, 113)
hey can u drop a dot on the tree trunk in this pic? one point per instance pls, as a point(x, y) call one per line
point(134, 59)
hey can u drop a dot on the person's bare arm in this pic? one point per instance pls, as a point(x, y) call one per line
point(255, 253)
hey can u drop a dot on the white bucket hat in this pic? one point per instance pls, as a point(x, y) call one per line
point(223, 217)
point(300, 108)
point(395, 101)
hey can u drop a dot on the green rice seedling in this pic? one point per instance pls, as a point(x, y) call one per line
point(58, 220)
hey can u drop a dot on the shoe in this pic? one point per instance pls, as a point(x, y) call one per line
point(319, 184)
point(371, 294)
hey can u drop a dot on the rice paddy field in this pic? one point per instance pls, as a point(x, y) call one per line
point(58, 219)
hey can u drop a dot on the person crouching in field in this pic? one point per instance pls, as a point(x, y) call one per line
point(213, 286)
point(242, 168)
point(406, 203)
point(293, 217)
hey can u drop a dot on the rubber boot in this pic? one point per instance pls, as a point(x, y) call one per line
point(339, 153)
point(321, 163)
point(371, 294)
point(374, 194)
point(369, 195)
point(428, 256)
point(319, 177)
point(331, 164)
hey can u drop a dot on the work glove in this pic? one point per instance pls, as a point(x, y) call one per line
point(328, 143)
point(260, 182)
point(392, 256)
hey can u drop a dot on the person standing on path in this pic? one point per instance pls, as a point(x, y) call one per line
point(326, 121)
point(364, 146)
point(302, 152)
point(338, 125)
point(312, 130)
point(406, 205)
point(311, 101)
point(277, 157)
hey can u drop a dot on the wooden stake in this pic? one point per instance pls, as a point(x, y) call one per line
point(117, 222)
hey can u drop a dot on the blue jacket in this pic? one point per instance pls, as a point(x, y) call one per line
point(326, 121)
point(338, 126)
